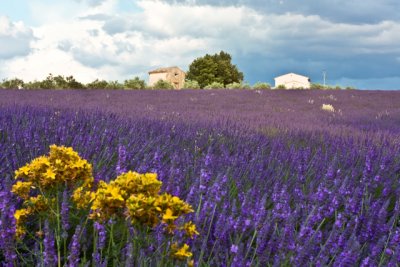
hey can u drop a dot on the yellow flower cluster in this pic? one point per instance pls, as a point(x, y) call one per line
point(21, 217)
point(136, 197)
point(131, 195)
point(37, 180)
point(164, 208)
point(82, 197)
point(62, 166)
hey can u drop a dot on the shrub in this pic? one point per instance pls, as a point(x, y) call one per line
point(162, 84)
point(214, 85)
point(261, 86)
point(73, 84)
point(236, 85)
point(317, 86)
point(191, 84)
point(97, 84)
point(135, 83)
point(12, 84)
point(114, 85)
point(281, 86)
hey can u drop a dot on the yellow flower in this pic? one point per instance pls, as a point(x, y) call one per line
point(181, 253)
point(62, 166)
point(113, 194)
point(107, 201)
point(22, 189)
point(22, 171)
point(20, 230)
point(168, 216)
point(39, 203)
point(178, 206)
point(21, 215)
point(82, 197)
point(50, 174)
point(190, 229)
point(142, 209)
point(136, 183)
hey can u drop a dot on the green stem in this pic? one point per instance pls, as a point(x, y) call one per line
point(111, 240)
point(58, 230)
point(206, 239)
point(251, 243)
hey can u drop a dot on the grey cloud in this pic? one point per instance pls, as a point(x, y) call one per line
point(14, 40)
point(64, 45)
point(135, 23)
point(90, 59)
point(97, 17)
point(355, 11)
point(93, 32)
point(92, 2)
point(124, 47)
point(95, 2)
point(116, 25)
point(13, 47)
point(351, 68)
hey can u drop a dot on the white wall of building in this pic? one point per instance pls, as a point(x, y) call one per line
point(293, 81)
point(155, 77)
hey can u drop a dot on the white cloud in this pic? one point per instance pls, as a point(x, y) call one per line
point(15, 38)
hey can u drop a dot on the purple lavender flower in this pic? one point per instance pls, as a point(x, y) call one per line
point(7, 227)
point(102, 235)
point(234, 249)
point(65, 214)
point(49, 253)
point(74, 249)
point(121, 164)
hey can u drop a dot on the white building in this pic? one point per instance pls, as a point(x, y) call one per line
point(173, 75)
point(292, 81)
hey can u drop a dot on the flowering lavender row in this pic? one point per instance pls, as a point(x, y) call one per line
point(295, 109)
point(327, 194)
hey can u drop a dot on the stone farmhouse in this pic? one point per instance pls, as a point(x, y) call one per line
point(173, 75)
point(293, 81)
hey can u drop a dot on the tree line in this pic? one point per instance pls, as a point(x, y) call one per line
point(208, 72)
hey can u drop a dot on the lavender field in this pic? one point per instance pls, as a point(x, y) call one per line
point(273, 179)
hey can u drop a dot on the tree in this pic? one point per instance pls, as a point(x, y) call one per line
point(97, 84)
point(261, 85)
point(189, 84)
point(48, 83)
point(214, 68)
point(12, 84)
point(214, 85)
point(74, 84)
point(161, 84)
point(114, 85)
point(236, 85)
point(135, 83)
point(60, 82)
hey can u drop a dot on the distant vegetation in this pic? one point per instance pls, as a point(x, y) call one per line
point(60, 82)
point(208, 72)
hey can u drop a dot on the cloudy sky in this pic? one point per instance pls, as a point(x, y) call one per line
point(356, 42)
